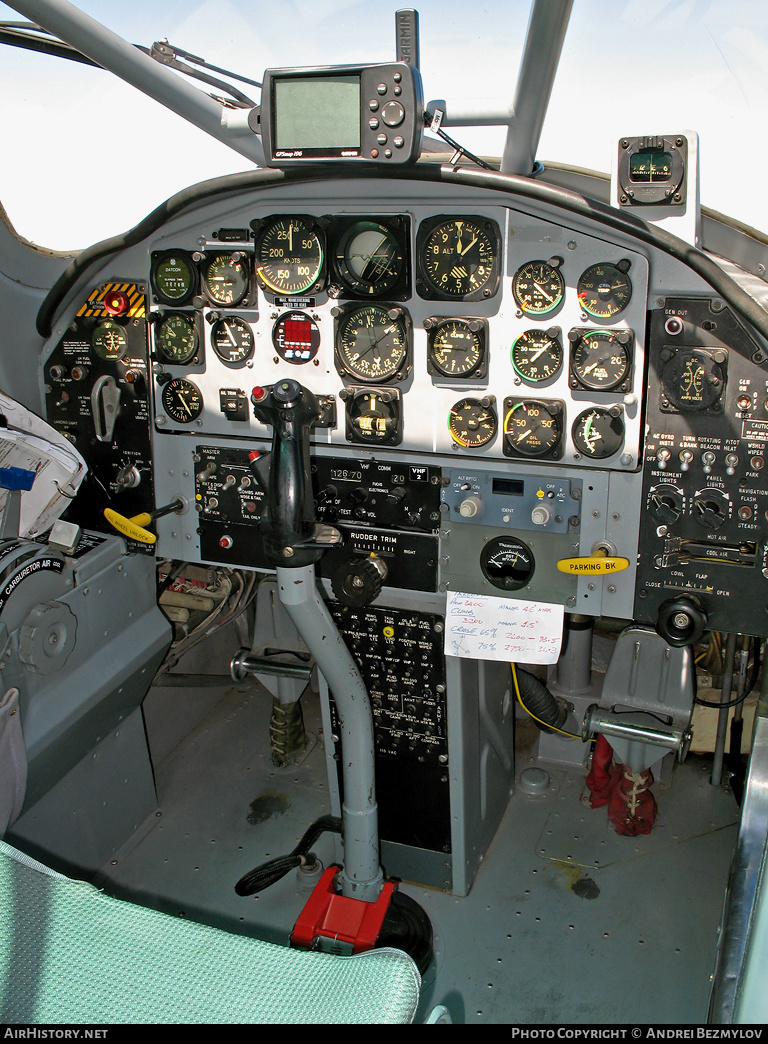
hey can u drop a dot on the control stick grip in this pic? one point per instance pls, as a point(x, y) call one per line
point(291, 538)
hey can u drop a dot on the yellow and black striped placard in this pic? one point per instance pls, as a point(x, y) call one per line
point(95, 305)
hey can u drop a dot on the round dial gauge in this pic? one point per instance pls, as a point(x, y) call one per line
point(507, 563)
point(174, 277)
point(537, 355)
point(532, 428)
point(176, 338)
point(109, 341)
point(604, 289)
point(369, 259)
point(182, 400)
point(459, 259)
point(374, 416)
point(289, 256)
point(232, 340)
point(372, 342)
point(693, 379)
point(600, 360)
point(457, 346)
point(225, 279)
point(296, 337)
point(472, 422)
point(538, 288)
point(597, 433)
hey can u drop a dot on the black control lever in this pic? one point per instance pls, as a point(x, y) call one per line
point(291, 536)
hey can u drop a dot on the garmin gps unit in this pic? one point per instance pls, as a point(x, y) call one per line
point(341, 113)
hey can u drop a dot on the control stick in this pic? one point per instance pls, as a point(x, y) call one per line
point(293, 543)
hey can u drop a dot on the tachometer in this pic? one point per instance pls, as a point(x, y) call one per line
point(537, 355)
point(289, 255)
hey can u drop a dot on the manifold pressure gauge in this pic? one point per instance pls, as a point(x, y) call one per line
point(289, 255)
point(538, 287)
point(537, 355)
point(182, 400)
point(373, 343)
point(472, 422)
point(457, 347)
point(604, 289)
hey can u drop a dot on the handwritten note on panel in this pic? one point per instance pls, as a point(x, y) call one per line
point(482, 627)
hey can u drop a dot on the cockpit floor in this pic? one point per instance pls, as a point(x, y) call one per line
point(566, 921)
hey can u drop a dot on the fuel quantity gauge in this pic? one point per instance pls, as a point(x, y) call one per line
point(598, 433)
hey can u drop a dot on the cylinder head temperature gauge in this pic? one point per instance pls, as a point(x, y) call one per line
point(507, 563)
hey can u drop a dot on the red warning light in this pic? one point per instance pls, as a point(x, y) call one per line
point(116, 302)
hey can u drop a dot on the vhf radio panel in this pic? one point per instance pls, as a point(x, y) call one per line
point(343, 113)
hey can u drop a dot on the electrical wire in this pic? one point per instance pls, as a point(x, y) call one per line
point(747, 690)
point(546, 724)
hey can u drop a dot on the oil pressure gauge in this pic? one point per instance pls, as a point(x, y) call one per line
point(533, 428)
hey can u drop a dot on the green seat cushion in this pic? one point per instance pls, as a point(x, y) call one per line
point(70, 954)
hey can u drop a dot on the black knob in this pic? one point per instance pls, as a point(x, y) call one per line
point(681, 621)
point(358, 581)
